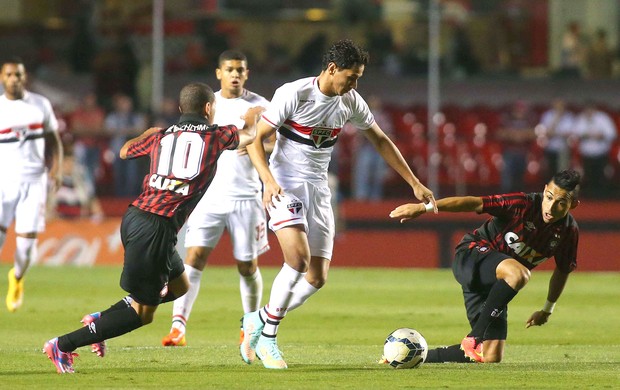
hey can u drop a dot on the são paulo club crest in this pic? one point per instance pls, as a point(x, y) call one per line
point(294, 206)
point(320, 135)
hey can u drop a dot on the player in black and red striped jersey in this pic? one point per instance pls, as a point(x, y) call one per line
point(494, 261)
point(183, 163)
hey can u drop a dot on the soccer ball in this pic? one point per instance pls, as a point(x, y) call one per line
point(405, 348)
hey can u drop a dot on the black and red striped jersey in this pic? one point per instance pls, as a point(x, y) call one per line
point(517, 228)
point(183, 163)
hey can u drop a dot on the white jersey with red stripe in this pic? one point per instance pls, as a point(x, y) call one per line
point(23, 124)
point(236, 177)
point(302, 109)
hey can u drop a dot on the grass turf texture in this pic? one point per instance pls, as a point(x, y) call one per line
point(334, 341)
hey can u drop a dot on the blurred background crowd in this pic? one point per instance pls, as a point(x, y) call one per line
point(527, 86)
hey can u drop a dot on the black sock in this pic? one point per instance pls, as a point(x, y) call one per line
point(122, 304)
point(499, 297)
point(115, 323)
point(449, 354)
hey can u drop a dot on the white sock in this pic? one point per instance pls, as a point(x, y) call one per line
point(183, 305)
point(251, 288)
point(25, 251)
point(281, 294)
point(302, 291)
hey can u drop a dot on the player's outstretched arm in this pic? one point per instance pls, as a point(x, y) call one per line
point(556, 286)
point(248, 133)
point(123, 152)
point(53, 142)
point(453, 204)
point(390, 153)
point(256, 151)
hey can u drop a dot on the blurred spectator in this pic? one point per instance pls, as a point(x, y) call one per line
point(596, 132)
point(277, 59)
point(511, 26)
point(196, 57)
point(557, 125)
point(461, 60)
point(379, 42)
point(83, 43)
point(215, 37)
point(573, 51)
point(369, 168)
point(516, 133)
point(115, 69)
point(168, 114)
point(310, 55)
point(600, 57)
point(122, 124)
point(86, 127)
point(75, 197)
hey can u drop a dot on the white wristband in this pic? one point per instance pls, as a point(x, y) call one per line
point(548, 307)
point(429, 207)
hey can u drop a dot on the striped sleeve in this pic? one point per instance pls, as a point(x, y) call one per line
point(229, 137)
point(144, 146)
point(505, 204)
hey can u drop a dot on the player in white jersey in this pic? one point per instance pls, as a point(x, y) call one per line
point(232, 202)
point(27, 127)
point(308, 115)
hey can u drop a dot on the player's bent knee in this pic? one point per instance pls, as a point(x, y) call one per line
point(247, 268)
point(179, 286)
point(146, 318)
point(318, 282)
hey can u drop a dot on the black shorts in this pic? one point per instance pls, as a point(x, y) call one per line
point(474, 268)
point(151, 259)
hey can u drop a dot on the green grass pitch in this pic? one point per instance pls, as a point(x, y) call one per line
point(333, 341)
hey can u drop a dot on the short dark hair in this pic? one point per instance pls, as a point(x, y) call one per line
point(231, 55)
point(568, 180)
point(345, 54)
point(194, 97)
point(12, 60)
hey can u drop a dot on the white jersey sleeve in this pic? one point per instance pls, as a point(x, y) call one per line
point(235, 177)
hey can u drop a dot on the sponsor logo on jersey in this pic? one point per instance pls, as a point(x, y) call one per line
point(527, 253)
point(320, 135)
point(482, 249)
point(166, 184)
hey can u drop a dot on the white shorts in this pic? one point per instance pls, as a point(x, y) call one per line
point(309, 206)
point(244, 219)
point(24, 203)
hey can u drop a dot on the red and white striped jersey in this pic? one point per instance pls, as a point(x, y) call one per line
point(23, 125)
point(308, 124)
